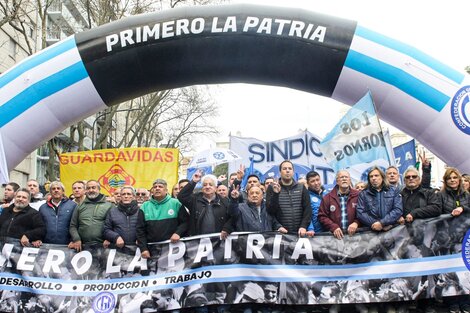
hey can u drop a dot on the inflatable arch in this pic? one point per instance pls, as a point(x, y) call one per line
point(293, 48)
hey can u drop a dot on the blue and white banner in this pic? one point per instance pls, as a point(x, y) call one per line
point(302, 150)
point(405, 263)
point(357, 140)
point(405, 156)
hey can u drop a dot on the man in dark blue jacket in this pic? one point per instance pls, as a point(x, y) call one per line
point(57, 213)
point(120, 225)
point(380, 205)
point(252, 216)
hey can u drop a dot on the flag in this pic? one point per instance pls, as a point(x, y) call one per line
point(114, 168)
point(205, 170)
point(357, 142)
point(405, 156)
point(248, 172)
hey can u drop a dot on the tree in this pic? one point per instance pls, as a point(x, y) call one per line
point(10, 10)
point(179, 114)
point(171, 117)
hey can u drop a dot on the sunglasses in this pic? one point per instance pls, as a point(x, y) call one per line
point(411, 176)
point(140, 193)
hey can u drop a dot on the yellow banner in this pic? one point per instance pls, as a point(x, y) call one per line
point(114, 168)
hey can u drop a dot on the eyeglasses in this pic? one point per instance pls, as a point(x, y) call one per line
point(411, 176)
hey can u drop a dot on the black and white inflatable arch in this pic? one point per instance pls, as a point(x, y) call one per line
point(293, 48)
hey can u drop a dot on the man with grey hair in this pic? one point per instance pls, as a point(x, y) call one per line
point(141, 195)
point(337, 211)
point(208, 212)
point(86, 226)
point(163, 218)
point(418, 202)
point(121, 221)
point(57, 213)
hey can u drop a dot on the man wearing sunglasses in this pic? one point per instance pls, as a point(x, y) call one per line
point(418, 202)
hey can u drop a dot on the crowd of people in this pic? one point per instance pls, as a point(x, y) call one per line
point(137, 216)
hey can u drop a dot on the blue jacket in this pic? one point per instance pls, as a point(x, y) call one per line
point(247, 218)
point(57, 221)
point(315, 200)
point(384, 206)
point(122, 222)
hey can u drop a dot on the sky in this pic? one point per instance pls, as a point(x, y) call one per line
point(438, 28)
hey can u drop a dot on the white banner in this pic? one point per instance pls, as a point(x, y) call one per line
point(302, 150)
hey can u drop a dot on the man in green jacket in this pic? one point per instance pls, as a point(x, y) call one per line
point(164, 218)
point(86, 226)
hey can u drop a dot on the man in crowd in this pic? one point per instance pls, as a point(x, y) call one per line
point(21, 221)
point(9, 194)
point(183, 182)
point(393, 176)
point(380, 205)
point(289, 201)
point(36, 196)
point(116, 197)
point(163, 218)
point(231, 178)
point(268, 181)
point(222, 191)
point(418, 202)
point(338, 208)
point(141, 195)
point(316, 192)
point(78, 191)
point(86, 226)
point(252, 215)
point(57, 213)
point(209, 213)
point(120, 225)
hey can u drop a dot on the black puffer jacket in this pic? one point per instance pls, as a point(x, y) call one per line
point(198, 210)
point(291, 206)
point(122, 221)
point(451, 200)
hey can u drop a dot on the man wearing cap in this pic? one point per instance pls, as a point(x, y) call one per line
point(164, 218)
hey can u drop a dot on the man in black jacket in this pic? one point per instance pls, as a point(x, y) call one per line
point(121, 222)
point(208, 212)
point(289, 201)
point(418, 202)
point(20, 221)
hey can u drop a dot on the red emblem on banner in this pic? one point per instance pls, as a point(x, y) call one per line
point(114, 178)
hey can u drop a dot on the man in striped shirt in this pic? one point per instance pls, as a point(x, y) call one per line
point(338, 208)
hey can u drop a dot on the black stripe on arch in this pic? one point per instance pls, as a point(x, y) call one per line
point(209, 57)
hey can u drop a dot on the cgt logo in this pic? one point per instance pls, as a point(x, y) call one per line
point(114, 178)
point(460, 109)
point(104, 302)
